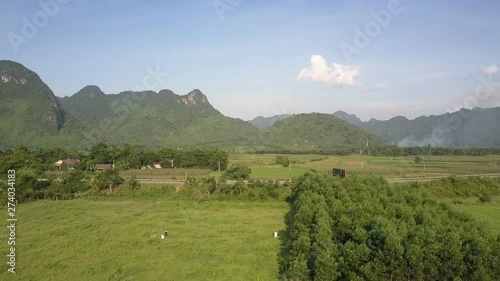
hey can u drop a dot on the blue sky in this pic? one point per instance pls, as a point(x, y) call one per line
point(267, 57)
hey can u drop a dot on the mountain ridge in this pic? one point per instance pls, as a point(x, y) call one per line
point(463, 128)
point(30, 114)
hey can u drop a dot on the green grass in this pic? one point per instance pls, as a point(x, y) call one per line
point(119, 239)
point(391, 167)
point(178, 174)
point(276, 172)
point(486, 213)
point(264, 167)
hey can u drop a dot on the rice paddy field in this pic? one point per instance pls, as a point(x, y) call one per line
point(264, 166)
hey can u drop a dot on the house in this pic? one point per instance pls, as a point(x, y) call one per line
point(154, 166)
point(102, 167)
point(339, 173)
point(69, 162)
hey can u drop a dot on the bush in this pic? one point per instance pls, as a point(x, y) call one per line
point(132, 184)
point(237, 172)
point(418, 160)
point(280, 160)
point(364, 229)
point(485, 198)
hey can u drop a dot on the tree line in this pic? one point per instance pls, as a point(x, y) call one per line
point(78, 183)
point(34, 182)
point(124, 157)
point(364, 229)
point(393, 151)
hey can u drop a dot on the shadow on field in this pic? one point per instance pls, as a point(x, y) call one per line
point(284, 237)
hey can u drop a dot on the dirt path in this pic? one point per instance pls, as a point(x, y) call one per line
point(178, 187)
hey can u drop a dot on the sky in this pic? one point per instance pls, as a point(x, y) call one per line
point(373, 58)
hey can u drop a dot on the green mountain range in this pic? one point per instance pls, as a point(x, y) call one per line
point(476, 127)
point(156, 119)
point(317, 131)
point(31, 115)
point(264, 122)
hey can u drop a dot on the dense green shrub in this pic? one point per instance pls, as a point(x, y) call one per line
point(210, 188)
point(283, 161)
point(237, 172)
point(364, 229)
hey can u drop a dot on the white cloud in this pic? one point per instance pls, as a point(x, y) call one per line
point(489, 70)
point(338, 75)
point(377, 88)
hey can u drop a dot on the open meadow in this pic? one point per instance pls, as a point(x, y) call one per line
point(114, 238)
point(264, 166)
point(487, 213)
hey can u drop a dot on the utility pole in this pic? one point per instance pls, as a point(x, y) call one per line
point(289, 168)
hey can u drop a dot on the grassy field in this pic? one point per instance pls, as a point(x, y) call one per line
point(119, 239)
point(392, 167)
point(486, 213)
point(176, 174)
point(264, 167)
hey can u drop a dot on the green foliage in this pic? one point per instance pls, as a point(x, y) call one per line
point(418, 160)
point(318, 132)
point(453, 187)
point(364, 229)
point(108, 179)
point(207, 188)
point(237, 172)
point(281, 160)
point(485, 198)
point(156, 119)
point(132, 184)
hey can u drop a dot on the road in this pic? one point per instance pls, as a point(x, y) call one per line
point(395, 180)
point(167, 181)
point(424, 179)
point(159, 181)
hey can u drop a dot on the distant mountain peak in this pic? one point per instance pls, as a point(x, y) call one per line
point(264, 122)
point(19, 85)
point(90, 91)
point(351, 118)
point(193, 98)
point(14, 72)
point(399, 118)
